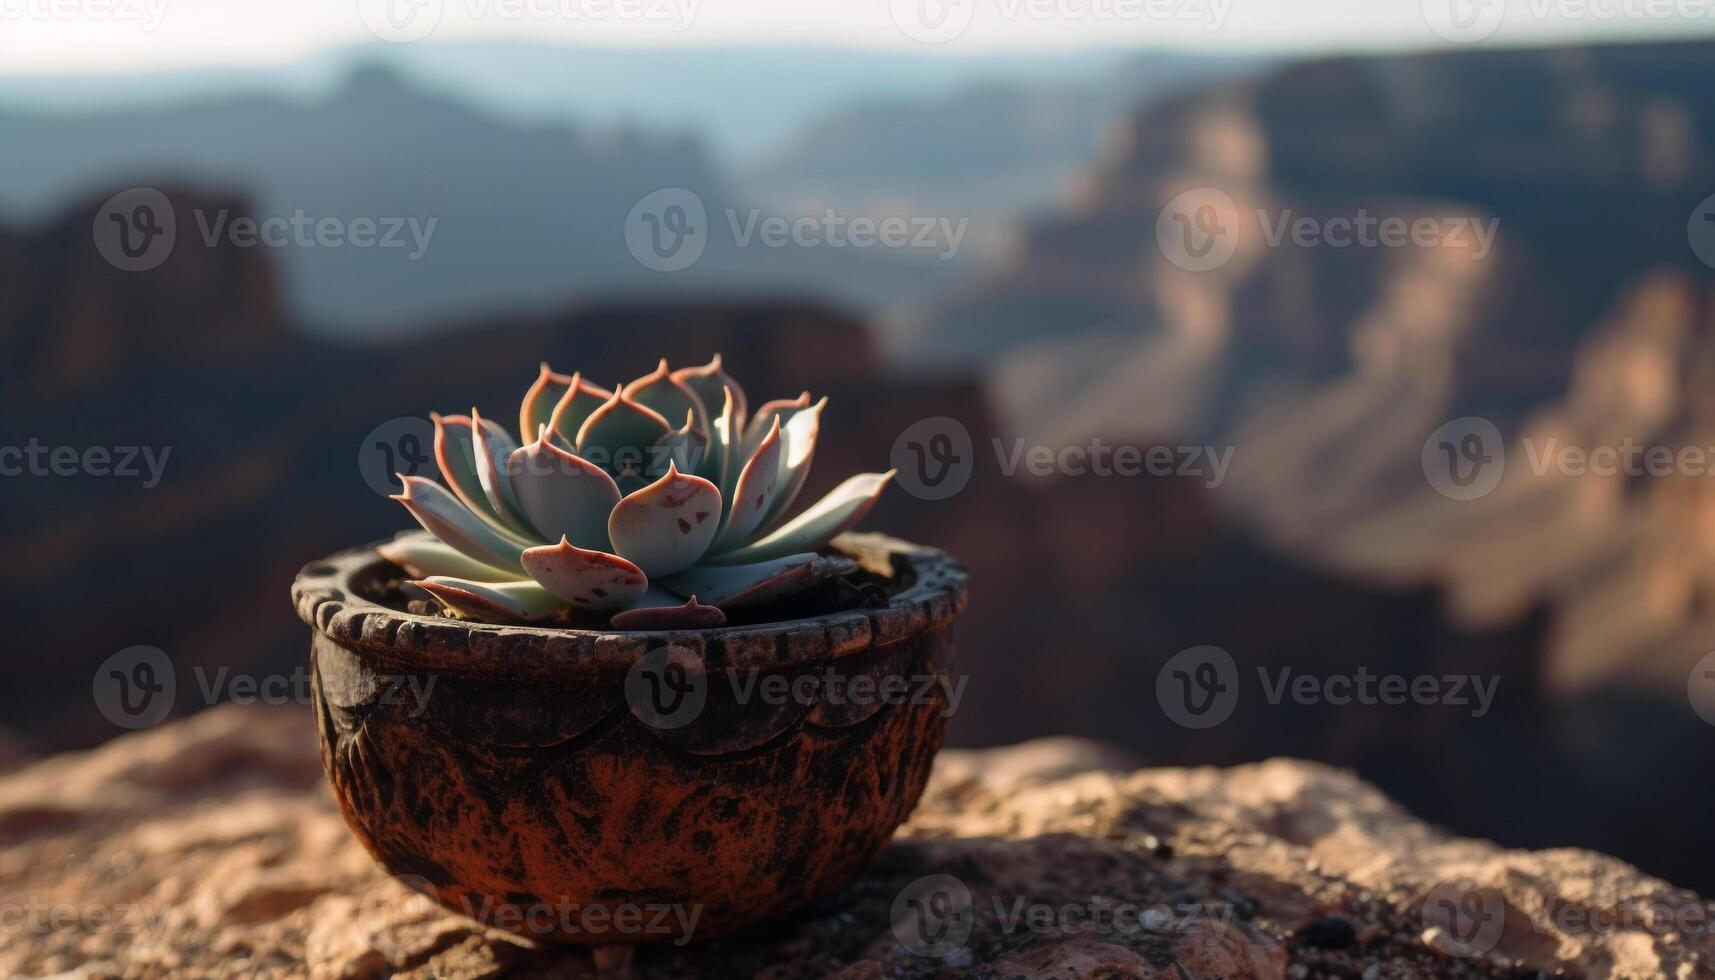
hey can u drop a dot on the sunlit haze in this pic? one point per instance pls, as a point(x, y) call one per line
point(88, 36)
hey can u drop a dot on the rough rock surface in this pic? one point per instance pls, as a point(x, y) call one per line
point(209, 848)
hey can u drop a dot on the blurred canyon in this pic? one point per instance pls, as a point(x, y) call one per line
point(1324, 369)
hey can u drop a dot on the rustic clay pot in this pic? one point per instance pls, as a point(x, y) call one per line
point(526, 777)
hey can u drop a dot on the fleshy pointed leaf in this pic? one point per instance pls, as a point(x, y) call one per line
point(668, 525)
point(798, 446)
point(686, 448)
point(442, 515)
point(737, 586)
point(620, 435)
point(668, 397)
point(590, 580)
point(421, 556)
point(455, 453)
point(537, 409)
point(710, 384)
point(521, 600)
point(723, 445)
point(757, 428)
point(812, 529)
point(493, 454)
point(659, 609)
point(752, 493)
point(561, 495)
point(576, 405)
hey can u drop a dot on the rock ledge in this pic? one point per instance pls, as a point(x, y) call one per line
point(210, 848)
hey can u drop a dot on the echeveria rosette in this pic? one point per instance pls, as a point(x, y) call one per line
point(659, 504)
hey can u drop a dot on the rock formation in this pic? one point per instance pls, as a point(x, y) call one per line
point(211, 848)
point(1587, 323)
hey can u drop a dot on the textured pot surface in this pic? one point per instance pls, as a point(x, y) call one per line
point(644, 787)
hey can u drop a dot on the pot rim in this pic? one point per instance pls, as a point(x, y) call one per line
point(325, 595)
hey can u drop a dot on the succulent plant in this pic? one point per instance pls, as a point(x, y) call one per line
point(611, 509)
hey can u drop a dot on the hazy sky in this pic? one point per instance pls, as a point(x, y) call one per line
point(53, 36)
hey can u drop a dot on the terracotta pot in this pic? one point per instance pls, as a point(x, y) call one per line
point(551, 781)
